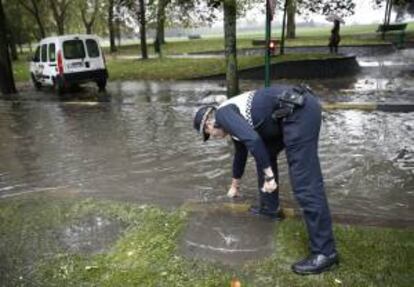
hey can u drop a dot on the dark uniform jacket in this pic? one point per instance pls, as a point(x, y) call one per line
point(248, 119)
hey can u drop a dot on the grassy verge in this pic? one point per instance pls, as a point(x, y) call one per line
point(181, 69)
point(216, 44)
point(308, 36)
point(146, 252)
point(171, 69)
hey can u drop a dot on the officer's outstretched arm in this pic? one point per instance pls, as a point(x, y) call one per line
point(239, 164)
point(229, 119)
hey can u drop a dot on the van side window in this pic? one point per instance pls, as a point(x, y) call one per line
point(73, 49)
point(52, 52)
point(44, 53)
point(36, 57)
point(93, 49)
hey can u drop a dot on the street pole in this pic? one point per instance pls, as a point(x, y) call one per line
point(282, 40)
point(267, 53)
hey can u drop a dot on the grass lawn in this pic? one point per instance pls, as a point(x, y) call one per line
point(307, 36)
point(180, 69)
point(145, 254)
point(170, 69)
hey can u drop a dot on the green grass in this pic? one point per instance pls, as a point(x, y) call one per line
point(170, 69)
point(146, 253)
point(306, 36)
point(180, 69)
point(21, 70)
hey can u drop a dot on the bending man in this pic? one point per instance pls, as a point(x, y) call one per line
point(264, 122)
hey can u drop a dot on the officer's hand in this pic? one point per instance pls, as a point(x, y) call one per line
point(234, 190)
point(269, 186)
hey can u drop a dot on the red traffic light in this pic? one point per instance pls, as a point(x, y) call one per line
point(272, 46)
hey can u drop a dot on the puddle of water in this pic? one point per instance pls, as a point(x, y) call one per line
point(91, 235)
point(230, 238)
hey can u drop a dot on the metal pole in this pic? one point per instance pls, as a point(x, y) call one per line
point(282, 40)
point(267, 52)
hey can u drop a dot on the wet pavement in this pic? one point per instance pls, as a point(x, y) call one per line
point(136, 143)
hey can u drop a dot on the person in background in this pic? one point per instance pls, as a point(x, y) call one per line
point(263, 123)
point(335, 37)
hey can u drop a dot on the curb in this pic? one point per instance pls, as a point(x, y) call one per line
point(369, 106)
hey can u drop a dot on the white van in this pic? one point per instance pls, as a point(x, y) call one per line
point(62, 61)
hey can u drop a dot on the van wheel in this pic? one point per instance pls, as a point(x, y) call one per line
point(36, 84)
point(101, 85)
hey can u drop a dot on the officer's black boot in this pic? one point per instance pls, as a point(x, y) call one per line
point(315, 264)
point(276, 215)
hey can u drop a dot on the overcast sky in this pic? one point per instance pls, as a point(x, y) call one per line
point(364, 14)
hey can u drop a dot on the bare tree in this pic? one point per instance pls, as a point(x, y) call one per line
point(59, 9)
point(7, 85)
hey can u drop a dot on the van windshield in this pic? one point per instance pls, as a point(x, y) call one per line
point(73, 49)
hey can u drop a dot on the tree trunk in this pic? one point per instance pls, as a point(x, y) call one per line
point(11, 38)
point(42, 30)
point(7, 85)
point(111, 26)
point(118, 32)
point(159, 34)
point(59, 10)
point(88, 28)
point(34, 10)
point(230, 37)
point(61, 27)
point(13, 48)
point(142, 30)
point(291, 23)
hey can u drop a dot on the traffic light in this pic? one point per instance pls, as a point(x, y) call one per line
point(272, 47)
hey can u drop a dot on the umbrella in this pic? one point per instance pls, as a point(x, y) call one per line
point(335, 17)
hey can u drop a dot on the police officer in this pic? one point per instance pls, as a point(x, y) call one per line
point(262, 123)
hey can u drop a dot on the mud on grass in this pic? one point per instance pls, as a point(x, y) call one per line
point(145, 253)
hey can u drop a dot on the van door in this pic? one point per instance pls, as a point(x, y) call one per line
point(43, 63)
point(95, 56)
point(34, 65)
point(50, 68)
point(74, 55)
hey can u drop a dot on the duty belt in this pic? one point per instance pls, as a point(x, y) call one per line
point(291, 100)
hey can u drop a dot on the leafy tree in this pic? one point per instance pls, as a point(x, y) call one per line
point(111, 6)
point(89, 12)
point(7, 85)
point(137, 12)
point(342, 8)
point(401, 7)
point(34, 7)
point(59, 12)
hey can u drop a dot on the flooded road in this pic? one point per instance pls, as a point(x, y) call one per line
point(139, 146)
